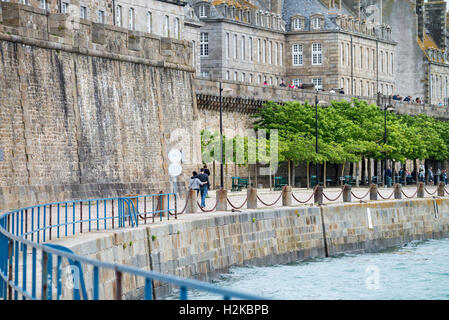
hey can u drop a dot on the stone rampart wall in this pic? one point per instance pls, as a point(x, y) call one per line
point(86, 118)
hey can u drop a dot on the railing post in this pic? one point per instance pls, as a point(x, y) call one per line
point(222, 198)
point(398, 191)
point(191, 206)
point(251, 194)
point(347, 193)
point(286, 196)
point(318, 196)
point(441, 186)
point(420, 193)
point(373, 192)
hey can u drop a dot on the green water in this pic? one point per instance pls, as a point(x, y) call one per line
point(418, 270)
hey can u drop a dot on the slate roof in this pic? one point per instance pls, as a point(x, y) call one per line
point(307, 8)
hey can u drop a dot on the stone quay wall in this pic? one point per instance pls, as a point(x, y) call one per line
point(86, 109)
point(202, 245)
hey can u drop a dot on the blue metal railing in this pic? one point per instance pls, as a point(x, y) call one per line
point(23, 230)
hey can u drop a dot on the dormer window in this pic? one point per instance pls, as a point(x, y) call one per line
point(316, 23)
point(297, 24)
point(203, 11)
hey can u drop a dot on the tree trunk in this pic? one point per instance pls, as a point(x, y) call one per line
point(289, 163)
point(415, 169)
point(357, 174)
point(370, 177)
point(213, 176)
point(249, 175)
point(271, 186)
point(255, 175)
point(293, 174)
point(426, 168)
point(393, 176)
point(308, 175)
point(324, 174)
point(342, 172)
point(363, 171)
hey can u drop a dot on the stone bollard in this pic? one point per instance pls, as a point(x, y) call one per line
point(191, 206)
point(251, 193)
point(420, 193)
point(222, 198)
point(347, 193)
point(398, 191)
point(373, 192)
point(286, 196)
point(441, 187)
point(318, 196)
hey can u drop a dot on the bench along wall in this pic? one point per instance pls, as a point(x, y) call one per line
point(86, 110)
point(203, 246)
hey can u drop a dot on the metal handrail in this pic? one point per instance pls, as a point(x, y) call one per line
point(180, 282)
point(14, 239)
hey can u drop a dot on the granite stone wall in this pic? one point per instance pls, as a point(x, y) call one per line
point(201, 246)
point(87, 117)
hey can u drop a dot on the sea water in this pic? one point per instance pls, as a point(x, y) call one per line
point(417, 270)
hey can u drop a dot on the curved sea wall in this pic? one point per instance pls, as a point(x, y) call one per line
point(203, 245)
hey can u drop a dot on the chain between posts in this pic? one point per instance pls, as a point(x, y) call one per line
point(410, 197)
point(385, 198)
point(425, 189)
point(324, 195)
point(360, 198)
point(185, 206)
point(311, 196)
point(235, 207)
point(269, 205)
point(205, 210)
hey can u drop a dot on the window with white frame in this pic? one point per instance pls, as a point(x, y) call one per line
point(227, 48)
point(177, 29)
point(264, 51)
point(297, 82)
point(275, 53)
point(149, 22)
point(342, 53)
point(131, 19)
point(235, 76)
point(392, 66)
point(100, 16)
point(250, 78)
point(203, 13)
point(250, 48)
point(281, 54)
point(243, 77)
point(257, 18)
point(382, 62)
point(42, 4)
point(297, 25)
point(361, 57)
point(271, 81)
point(64, 7)
point(194, 53)
point(259, 79)
point(235, 46)
point(83, 12)
point(204, 44)
point(227, 75)
point(317, 54)
point(259, 51)
point(318, 83)
point(316, 23)
point(367, 59)
point(166, 26)
point(270, 46)
point(118, 16)
point(205, 74)
point(243, 48)
point(297, 54)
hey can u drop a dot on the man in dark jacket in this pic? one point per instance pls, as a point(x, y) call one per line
point(203, 188)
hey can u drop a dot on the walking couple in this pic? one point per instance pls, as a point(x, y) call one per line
point(200, 183)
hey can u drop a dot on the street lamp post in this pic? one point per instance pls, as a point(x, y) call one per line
point(221, 133)
point(221, 139)
point(316, 134)
point(386, 108)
